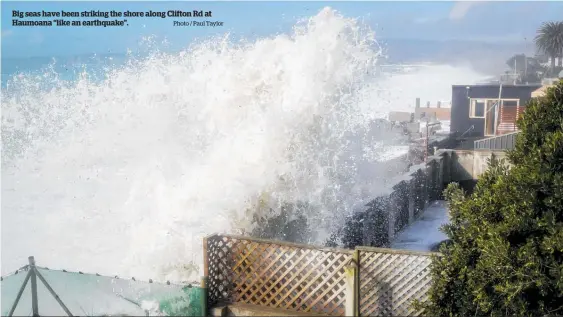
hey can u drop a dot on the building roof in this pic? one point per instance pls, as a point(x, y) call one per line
point(496, 85)
point(540, 92)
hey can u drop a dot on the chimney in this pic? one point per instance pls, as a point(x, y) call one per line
point(428, 104)
point(439, 104)
point(417, 103)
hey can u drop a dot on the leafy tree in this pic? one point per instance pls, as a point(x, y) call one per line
point(549, 40)
point(506, 251)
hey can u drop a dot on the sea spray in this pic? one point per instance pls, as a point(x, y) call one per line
point(127, 174)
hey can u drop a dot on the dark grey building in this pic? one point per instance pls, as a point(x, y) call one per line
point(476, 112)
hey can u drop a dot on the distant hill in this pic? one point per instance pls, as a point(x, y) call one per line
point(488, 57)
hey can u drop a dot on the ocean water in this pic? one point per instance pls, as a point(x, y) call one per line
point(67, 68)
point(121, 166)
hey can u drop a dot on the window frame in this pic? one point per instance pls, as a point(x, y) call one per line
point(511, 99)
point(485, 101)
point(473, 102)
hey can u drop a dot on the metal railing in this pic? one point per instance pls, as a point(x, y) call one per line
point(500, 142)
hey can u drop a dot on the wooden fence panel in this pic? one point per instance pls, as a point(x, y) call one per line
point(276, 274)
point(390, 280)
point(304, 278)
point(217, 268)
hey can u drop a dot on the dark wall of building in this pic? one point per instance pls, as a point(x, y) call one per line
point(460, 121)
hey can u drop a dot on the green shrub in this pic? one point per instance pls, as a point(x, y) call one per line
point(506, 255)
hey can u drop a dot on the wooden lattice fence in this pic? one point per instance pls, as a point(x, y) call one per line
point(390, 280)
point(308, 279)
point(276, 274)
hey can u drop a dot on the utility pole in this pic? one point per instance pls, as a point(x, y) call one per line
point(514, 80)
point(526, 60)
point(497, 109)
point(526, 67)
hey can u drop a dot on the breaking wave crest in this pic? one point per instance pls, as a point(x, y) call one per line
point(127, 174)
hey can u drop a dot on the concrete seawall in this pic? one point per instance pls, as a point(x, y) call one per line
point(383, 217)
point(470, 164)
point(411, 192)
point(386, 215)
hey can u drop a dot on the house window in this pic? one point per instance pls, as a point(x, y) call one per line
point(477, 108)
point(510, 103)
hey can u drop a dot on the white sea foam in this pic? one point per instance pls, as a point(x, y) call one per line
point(125, 176)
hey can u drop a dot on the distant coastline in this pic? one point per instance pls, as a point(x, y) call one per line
point(395, 49)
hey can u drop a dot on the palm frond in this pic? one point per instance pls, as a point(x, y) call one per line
point(549, 38)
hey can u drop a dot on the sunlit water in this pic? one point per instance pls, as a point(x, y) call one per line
point(125, 175)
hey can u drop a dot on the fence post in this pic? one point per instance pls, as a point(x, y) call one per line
point(350, 300)
point(352, 286)
point(357, 284)
point(34, 302)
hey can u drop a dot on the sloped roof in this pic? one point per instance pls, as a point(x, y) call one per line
point(540, 92)
point(94, 295)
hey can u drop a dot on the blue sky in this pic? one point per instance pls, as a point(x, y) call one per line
point(481, 21)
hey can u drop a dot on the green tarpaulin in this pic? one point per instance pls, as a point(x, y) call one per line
point(94, 295)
